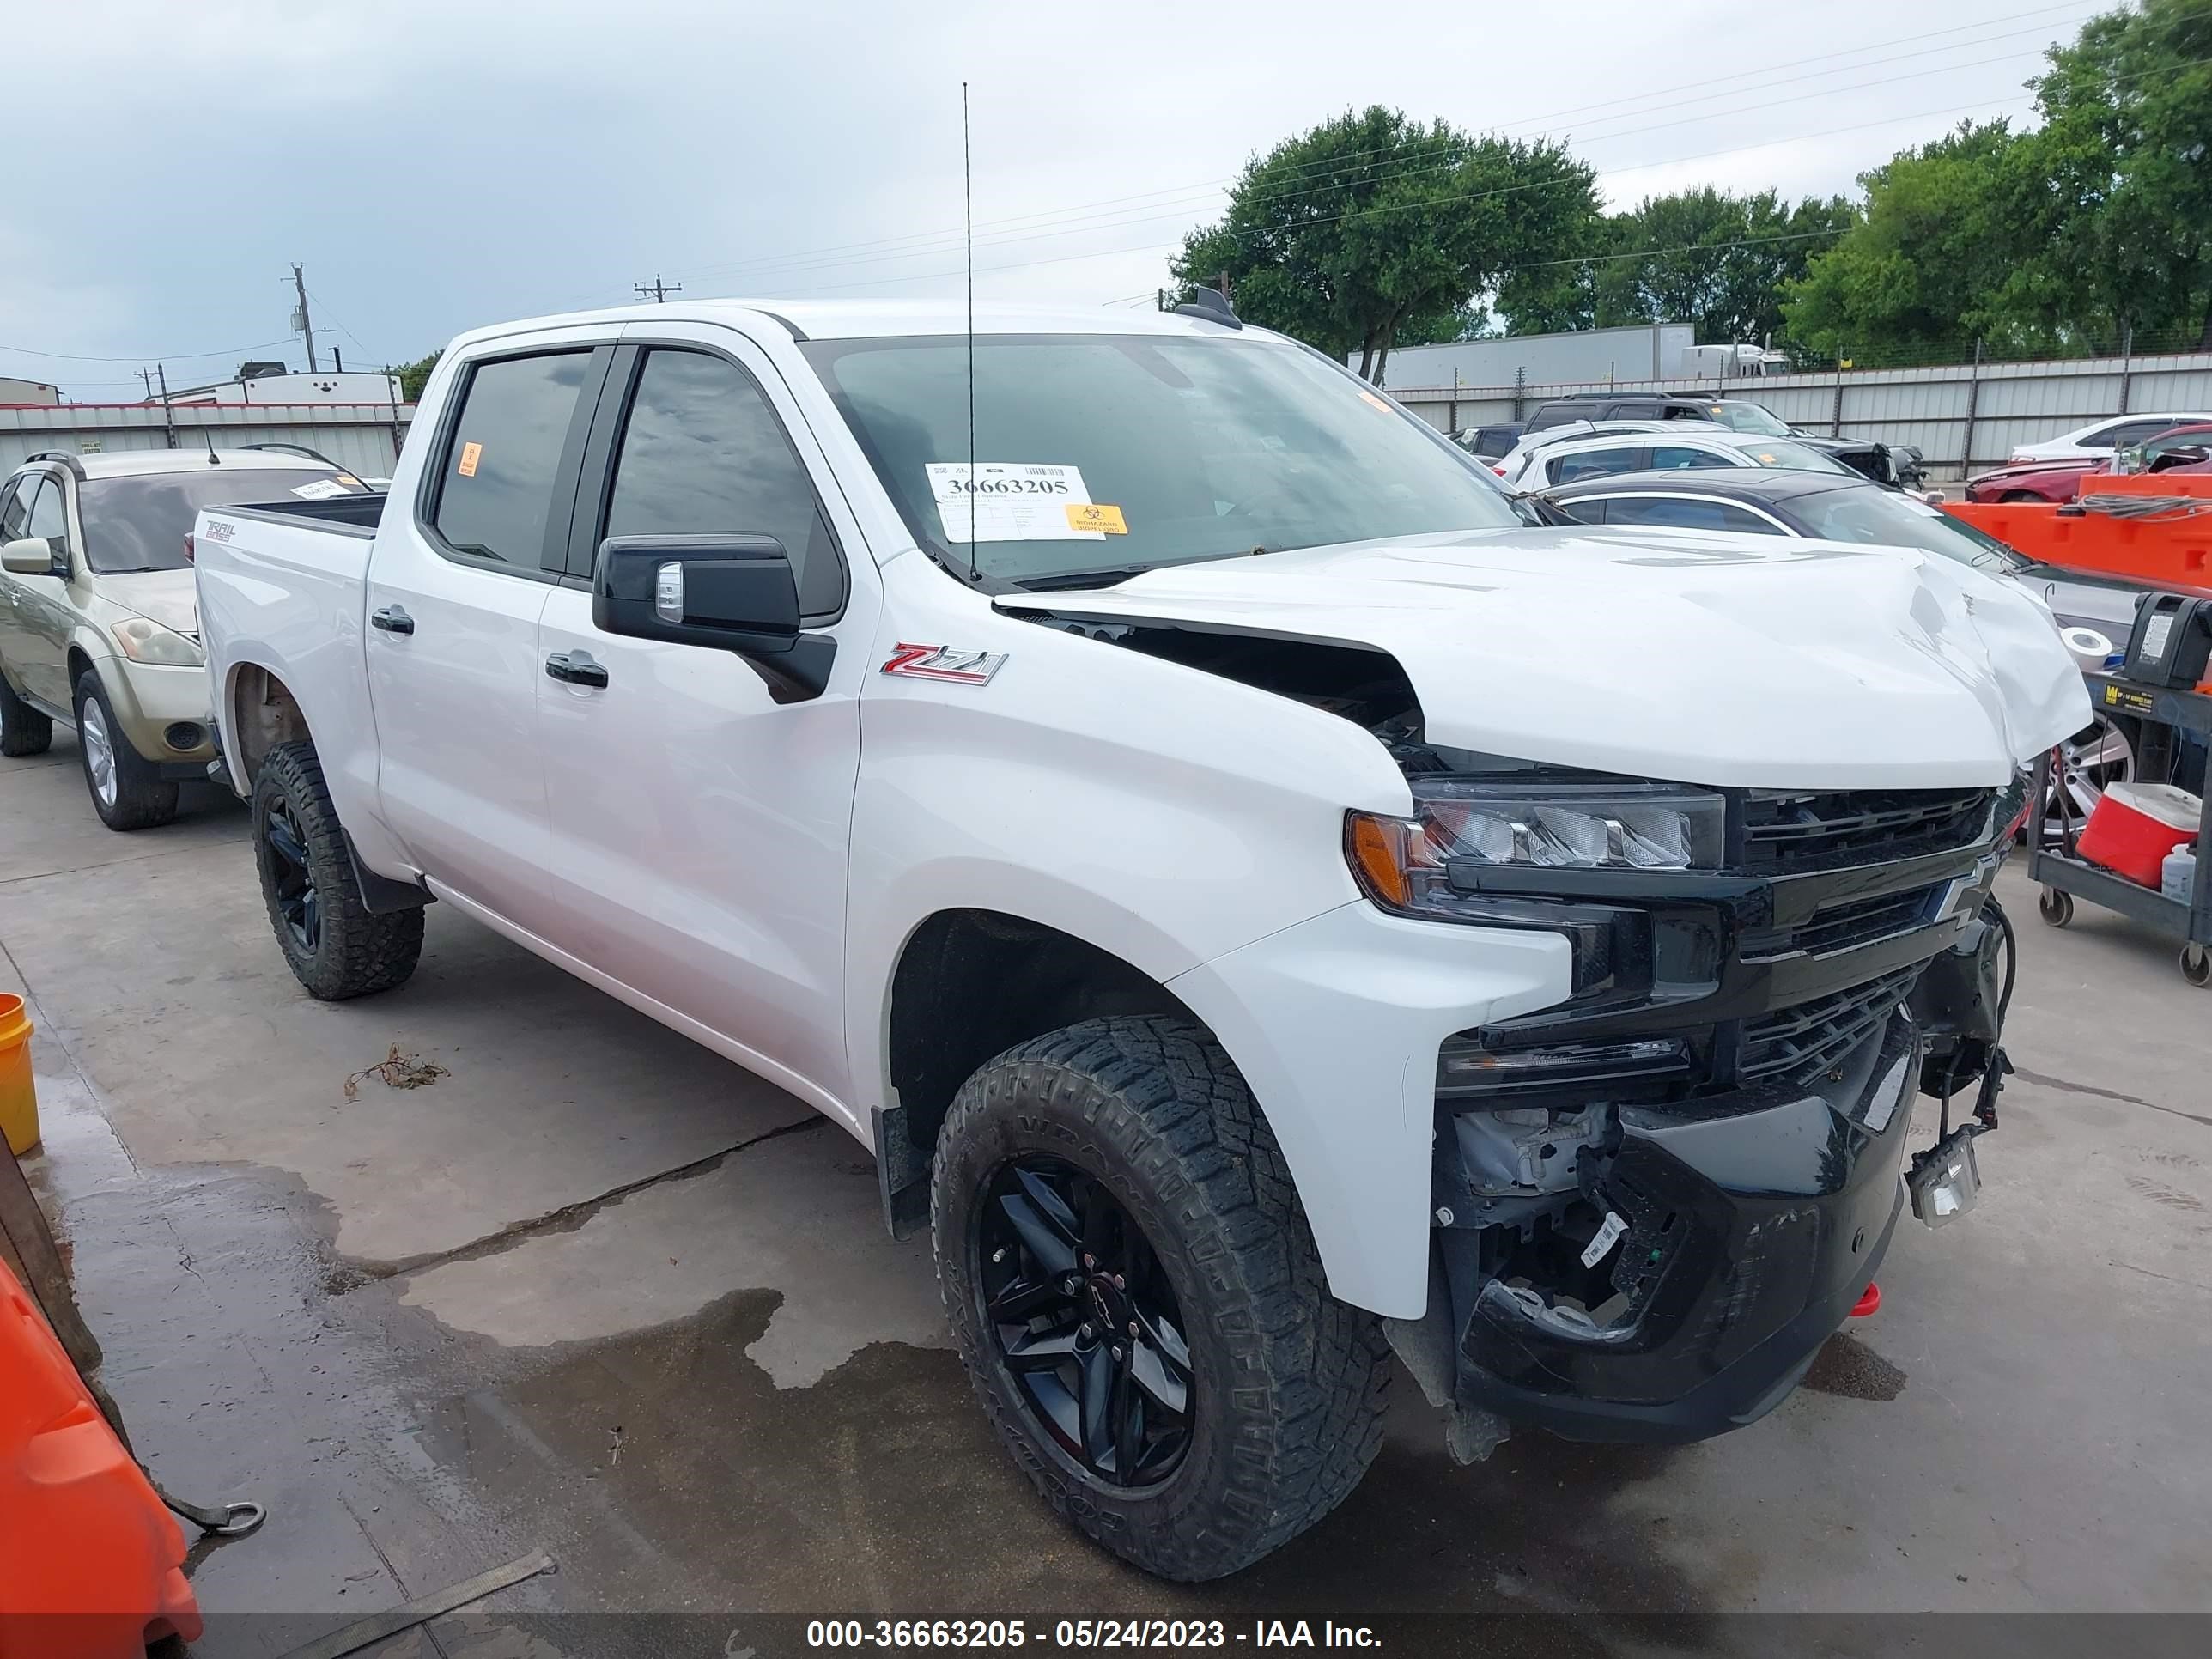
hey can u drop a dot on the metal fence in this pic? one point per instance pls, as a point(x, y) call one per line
point(362, 437)
point(1963, 417)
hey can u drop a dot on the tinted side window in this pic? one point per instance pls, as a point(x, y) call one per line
point(703, 454)
point(495, 496)
point(13, 501)
point(1687, 515)
point(1583, 512)
point(1592, 463)
point(1669, 456)
point(1552, 415)
point(48, 519)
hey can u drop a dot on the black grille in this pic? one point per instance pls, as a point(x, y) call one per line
point(1841, 927)
point(1786, 832)
point(1814, 1036)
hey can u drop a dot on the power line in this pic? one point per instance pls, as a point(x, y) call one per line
point(139, 357)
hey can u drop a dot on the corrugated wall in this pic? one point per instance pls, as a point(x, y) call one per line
point(1941, 409)
point(364, 437)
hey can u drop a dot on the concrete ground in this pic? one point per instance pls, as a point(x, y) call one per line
point(596, 1292)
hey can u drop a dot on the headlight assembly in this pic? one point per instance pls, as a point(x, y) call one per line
point(143, 639)
point(1428, 864)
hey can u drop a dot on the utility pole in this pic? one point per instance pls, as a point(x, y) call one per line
point(169, 410)
point(146, 379)
point(305, 324)
point(658, 289)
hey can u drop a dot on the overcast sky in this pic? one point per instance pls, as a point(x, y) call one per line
point(436, 167)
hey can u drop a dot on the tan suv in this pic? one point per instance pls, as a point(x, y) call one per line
point(98, 624)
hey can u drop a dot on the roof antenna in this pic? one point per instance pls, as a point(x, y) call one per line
point(968, 195)
point(208, 433)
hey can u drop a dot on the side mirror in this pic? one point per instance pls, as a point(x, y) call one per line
point(728, 592)
point(33, 556)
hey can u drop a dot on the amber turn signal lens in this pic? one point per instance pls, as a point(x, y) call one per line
point(1376, 849)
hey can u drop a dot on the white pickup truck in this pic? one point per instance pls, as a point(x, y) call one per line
point(1266, 899)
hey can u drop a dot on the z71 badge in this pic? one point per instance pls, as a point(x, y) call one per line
point(943, 662)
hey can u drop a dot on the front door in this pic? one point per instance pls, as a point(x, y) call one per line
point(455, 590)
point(699, 826)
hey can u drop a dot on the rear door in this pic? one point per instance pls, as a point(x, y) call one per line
point(455, 589)
point(699, 824)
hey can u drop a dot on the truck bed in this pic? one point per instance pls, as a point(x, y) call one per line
point(284, 588)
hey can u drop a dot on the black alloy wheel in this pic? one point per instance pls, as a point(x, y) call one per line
point(1086, 1321)
point(292, 878)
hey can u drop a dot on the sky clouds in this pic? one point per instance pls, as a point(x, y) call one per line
point(437, 167)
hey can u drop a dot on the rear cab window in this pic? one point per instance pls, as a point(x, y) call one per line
point(507, 446)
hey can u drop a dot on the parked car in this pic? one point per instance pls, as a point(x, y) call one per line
point(1488, 443)
point(2096, 611)
point(97, 625)
point(1539, 465)
point(1899, 466)
point(1262, 902)
point(1511, 462)
point(2097, 440)
point(2177, 449)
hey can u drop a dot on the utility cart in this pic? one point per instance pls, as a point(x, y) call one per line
point(2153, 718)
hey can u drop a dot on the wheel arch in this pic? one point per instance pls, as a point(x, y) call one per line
point(968, 983)
point(260, 711)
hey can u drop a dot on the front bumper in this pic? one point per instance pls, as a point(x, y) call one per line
point(1749, 1235)
point(151, 701)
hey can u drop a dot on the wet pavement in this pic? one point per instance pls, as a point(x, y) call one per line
point(595, 1292)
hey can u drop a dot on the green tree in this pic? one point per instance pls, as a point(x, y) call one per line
point(1372, 228)
point(2127, 144)
point(413, 375)
point(1950, 247)
point(1714, 259)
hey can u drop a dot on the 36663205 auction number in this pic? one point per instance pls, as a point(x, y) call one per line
point(916, 1633)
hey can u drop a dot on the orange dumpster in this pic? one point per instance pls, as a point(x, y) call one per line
point(91, 1565)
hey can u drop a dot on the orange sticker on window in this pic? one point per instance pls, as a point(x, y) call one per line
point(1370, 398)
point(1090, 515)
point(470, 453)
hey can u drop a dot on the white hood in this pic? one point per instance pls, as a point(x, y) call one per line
point(1716, 660)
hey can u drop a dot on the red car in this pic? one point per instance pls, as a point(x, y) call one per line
point(2177, 449)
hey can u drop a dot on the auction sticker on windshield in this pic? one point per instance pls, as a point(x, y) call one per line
point(1017, 502)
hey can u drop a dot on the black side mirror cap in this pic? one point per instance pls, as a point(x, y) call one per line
point(728, 592)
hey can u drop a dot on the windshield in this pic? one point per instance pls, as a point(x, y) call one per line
point(1117, 452)
point(1795, 458)
point(1879, 515)
point(1749, 417)
point(140, 523)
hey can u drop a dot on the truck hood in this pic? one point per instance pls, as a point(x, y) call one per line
point(163, 596)
point(1697, 658)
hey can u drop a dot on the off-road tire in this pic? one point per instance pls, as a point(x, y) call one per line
point(359, 951)
point(144, 799)
point(23, 730)
point(1288, 1382)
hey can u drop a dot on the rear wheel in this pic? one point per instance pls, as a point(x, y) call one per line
point(335, 945)
point(2020, 495)
point(128, 791)
point(23, 729)
point(1138, 1303)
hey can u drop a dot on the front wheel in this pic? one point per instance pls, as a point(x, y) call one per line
point(1139, 1302)
point(336, 946)
point(128, 791)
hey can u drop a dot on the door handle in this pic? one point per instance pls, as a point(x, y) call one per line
point(574, 668)
point(393, 619)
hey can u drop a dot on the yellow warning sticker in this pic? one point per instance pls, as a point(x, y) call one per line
point(1090, 515)
point(469, 455)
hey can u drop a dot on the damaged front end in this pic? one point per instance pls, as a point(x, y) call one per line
point(1654, 1203)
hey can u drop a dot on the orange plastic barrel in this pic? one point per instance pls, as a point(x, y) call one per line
point(91, 1565)
point(19, 1099)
